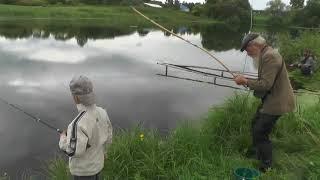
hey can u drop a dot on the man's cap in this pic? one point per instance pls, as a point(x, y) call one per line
point(246, 39)
point(81, 85)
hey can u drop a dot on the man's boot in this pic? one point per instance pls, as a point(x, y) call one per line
point(265, 166)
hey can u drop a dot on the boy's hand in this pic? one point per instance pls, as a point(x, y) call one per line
point(63, 134)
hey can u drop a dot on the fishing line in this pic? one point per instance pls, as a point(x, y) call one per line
point(36, 119)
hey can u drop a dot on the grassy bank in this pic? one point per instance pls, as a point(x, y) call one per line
point(213, 147)
point(292, 50)
point(306, 82)
point(260, 20)
point(111, 14)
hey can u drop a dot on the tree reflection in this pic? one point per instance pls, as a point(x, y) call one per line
point(143, 32)
point(218, 37)
point(62, 30)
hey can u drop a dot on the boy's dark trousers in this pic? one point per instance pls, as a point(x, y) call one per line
point(94, 177)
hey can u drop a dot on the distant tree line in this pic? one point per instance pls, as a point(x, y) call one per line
point(295, 14)
point(230, 11)
point(74, 2)
point(233, 12)
point(308, 16)
point(169, 3)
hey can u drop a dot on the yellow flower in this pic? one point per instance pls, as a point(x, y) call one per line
point(141, 137)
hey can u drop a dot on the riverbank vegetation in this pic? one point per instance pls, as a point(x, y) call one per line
point(231, 11)
point(292, 47)
point(213, 147)
point(123, 15)
point(296, 15)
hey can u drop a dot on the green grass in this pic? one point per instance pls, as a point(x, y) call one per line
point(111, 14)
point(57, 169)
point(213, 147)
point(306, 82)
point(292, 46)
point(291, 49)
point(260, 19)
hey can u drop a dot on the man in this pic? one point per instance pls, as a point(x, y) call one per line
point(88, 134)
point(306, 64)
point(274, 89)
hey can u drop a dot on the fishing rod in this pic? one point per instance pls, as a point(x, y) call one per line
point(176, 35)
point(32, 116)
point(250, 28)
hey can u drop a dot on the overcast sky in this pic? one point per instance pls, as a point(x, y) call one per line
point(256, 4)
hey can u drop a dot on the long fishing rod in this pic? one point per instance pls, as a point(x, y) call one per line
point(31, 116)
point(201, 48)
point(250, 28)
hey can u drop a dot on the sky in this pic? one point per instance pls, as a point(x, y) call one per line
point(256, 4)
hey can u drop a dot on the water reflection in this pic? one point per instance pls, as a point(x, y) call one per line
point(61, 30)
point(221, 37)
point(216, 37)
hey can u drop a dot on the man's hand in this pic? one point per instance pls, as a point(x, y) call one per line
point(241, 80)
point(64, 133)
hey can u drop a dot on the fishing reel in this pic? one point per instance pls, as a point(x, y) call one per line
point(73, 144)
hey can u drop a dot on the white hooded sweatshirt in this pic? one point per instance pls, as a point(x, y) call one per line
point(88, 136)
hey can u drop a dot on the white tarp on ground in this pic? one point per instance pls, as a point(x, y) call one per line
point(153, 5)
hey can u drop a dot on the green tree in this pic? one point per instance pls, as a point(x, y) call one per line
point(309, 16)
point(7, 1)
point(169, 3)
point(176, 4)
point(228, 10)
point(312, 11)
point(112, 1)
point(197, 10)
point(131, 2)
point(297, 3)
point(275, 7)
point(189, 5)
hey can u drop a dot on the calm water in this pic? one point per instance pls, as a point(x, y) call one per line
point(37, 61)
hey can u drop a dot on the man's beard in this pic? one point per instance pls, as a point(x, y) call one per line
point(256, 61)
